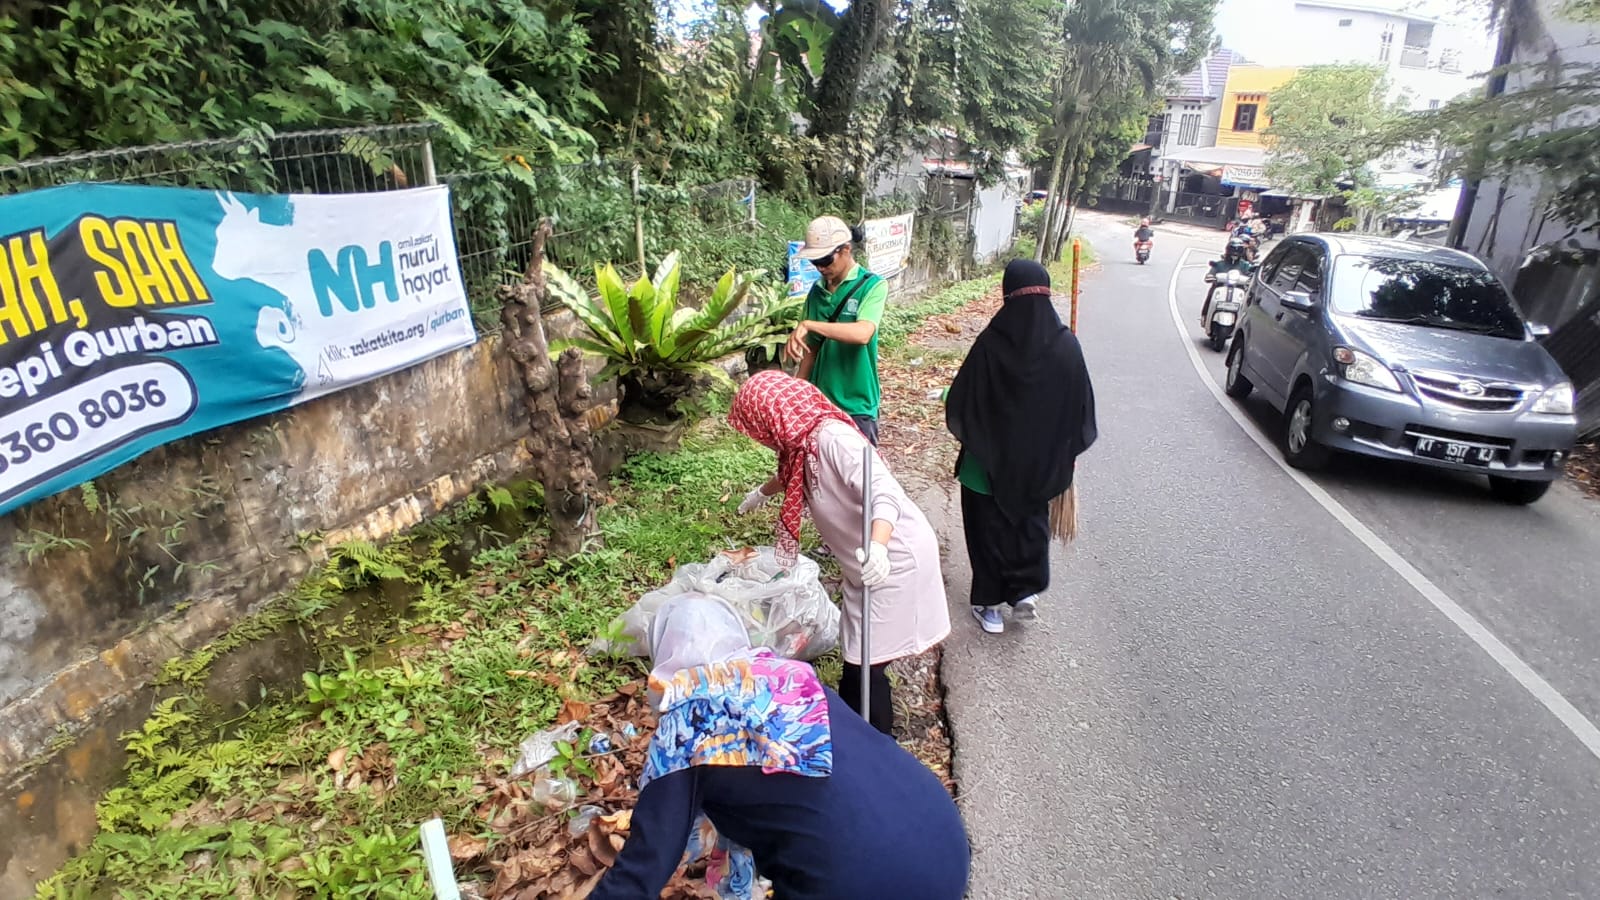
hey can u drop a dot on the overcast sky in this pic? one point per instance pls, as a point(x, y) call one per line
point(1252, 27)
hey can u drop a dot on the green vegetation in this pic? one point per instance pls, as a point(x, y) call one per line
point(900, 321)
point(655, 347)
point(319, 792)
point(1114, 64)
point(1537, 116)
point(1329, 123)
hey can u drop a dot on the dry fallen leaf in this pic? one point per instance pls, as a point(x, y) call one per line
point(572, 711)
point(464, 847)
point(621, 820)
point(600, 848)
point(336, 759)
point(582, 891)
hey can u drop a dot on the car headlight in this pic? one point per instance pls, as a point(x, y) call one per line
point(1555, 401)
point(1359, 368)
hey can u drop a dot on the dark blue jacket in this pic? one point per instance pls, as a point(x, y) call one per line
point(880, 826)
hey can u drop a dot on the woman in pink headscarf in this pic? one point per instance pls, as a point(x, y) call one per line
point(819, 468)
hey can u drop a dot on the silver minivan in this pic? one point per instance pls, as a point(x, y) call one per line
point(1402, 351)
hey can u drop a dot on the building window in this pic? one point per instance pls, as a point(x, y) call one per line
point(1346, 23)
point(1244, 117)
point(1386, 43)
point(1189, 130)
point(1450, 61)
point(1419, 39)
point(1433, 104)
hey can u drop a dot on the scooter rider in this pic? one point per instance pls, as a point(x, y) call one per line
point(1144, 233)
point(1246, 231)
point(1234, 259)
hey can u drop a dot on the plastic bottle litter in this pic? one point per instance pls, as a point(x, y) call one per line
point(579, 825)
point(554, 792)
point(628, 731)
point(600, 743)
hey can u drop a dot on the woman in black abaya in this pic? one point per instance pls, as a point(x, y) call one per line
point(1023, 409)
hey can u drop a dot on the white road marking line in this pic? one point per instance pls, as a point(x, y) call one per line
point(1574, 720)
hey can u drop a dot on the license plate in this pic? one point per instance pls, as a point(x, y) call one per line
point(1456, 452)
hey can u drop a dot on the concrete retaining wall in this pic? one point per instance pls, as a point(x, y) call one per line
point(188, 539)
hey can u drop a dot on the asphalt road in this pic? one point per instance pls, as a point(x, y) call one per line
point(1237, 689)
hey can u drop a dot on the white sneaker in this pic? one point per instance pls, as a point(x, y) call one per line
point(989, 619)
point(1027, 609)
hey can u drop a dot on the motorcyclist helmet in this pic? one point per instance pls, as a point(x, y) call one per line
point(1236, 249)
point(1145, 221)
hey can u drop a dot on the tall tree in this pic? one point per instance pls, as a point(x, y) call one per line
point(1327, 125)
point(1117, 54)
point(1007, 52)
point(1537, 115)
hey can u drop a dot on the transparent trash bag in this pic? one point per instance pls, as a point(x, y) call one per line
point(787, 612)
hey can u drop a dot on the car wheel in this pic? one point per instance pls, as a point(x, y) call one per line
point(1521, 493)
point(1236, 384)
point(1300, 447)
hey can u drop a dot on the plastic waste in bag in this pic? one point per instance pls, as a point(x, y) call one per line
point(787, 611)
point(538, 750)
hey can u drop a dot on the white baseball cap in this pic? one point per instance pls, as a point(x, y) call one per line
point(823, 236)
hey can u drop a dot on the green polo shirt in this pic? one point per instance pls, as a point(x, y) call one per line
point(969, 471)
point(847, 374)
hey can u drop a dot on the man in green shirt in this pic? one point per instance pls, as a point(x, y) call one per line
point(836, 342)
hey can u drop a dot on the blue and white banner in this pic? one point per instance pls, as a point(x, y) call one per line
point(134, 316)
point(802, 274)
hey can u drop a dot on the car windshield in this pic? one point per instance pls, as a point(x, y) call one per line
point(1424, 293)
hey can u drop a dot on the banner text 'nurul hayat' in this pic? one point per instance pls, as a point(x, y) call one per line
point(134, 316)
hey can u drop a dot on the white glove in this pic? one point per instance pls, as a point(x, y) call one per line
point(874, 559)
point(753, 501)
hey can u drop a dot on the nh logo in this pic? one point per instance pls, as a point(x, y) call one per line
point(353, 282)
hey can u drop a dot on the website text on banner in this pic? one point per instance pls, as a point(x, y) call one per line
point(888, 244)
point(134, 316)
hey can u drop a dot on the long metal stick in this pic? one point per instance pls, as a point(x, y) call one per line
point(866, 592)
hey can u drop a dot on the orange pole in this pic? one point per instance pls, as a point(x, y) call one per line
point(1077, 249)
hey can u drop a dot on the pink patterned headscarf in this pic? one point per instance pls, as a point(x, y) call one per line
point(783, 413)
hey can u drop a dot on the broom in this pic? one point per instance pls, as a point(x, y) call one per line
point(1064, 515)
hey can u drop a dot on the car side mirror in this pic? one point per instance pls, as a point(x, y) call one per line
point(1538, 330)
point(1298, 300)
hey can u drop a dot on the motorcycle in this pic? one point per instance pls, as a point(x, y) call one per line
point(1226, 303)
point(1141, 251)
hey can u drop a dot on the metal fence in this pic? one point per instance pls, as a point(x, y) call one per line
point(598, 209)
point(1201, 209)
point(1130, 190)
point(334, 161)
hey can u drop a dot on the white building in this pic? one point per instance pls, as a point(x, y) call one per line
point(1194, 108)
point(1432, 55)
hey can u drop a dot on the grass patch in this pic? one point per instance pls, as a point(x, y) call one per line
point(319, 792)
point(901, 321)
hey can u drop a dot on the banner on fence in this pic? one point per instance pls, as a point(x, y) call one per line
point(802, 274)
point(133, 316)
point(888, 244)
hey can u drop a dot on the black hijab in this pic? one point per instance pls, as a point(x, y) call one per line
point(1022, 404)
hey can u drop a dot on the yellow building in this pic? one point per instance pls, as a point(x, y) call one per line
point(1244, 103)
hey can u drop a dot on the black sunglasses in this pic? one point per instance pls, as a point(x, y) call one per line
point(827, 261)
